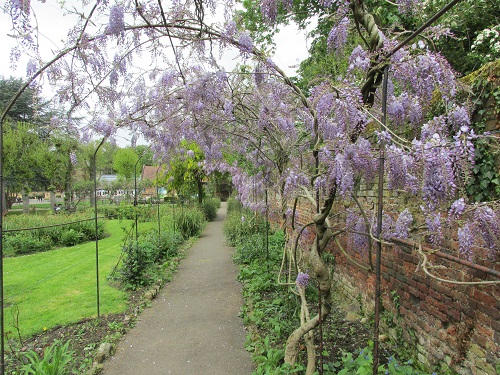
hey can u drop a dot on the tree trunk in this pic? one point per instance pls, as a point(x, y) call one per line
point(26, 201)
point(316, 262)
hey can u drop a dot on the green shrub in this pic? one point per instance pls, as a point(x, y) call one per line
point(190, 222)
point(22, 243)
point(169, 245)
point(233, 205)
point(144, 213)
point(362, 363)
point(45, 232)
point(210, 207)
point(135, 263)
point(71, 238)
point(242, 224)
point(142, 258)
point(55, 360)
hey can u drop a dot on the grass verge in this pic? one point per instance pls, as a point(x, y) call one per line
point(56, 287)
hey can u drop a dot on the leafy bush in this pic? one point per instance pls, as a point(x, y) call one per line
point(190, 222)
point(135, 263)
point(210, 207)
point(269, 360)
point(25, 243)
point(169, 245)
point(71, 237)
point(55, 360)
point(240, 225)
point(45, 232)
point(144, 213)
point(142, 257)
point(233, 205)
point(251, 249)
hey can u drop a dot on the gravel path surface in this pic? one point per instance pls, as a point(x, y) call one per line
point(192, 326)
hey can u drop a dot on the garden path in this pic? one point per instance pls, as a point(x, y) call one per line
point(192, 326)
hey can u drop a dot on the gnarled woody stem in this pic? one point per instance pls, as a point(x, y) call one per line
point(323, 277)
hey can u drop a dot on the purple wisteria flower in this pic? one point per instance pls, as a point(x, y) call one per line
point(116, 23)
point(439, 178)
point(230, 30)
point(302, 279)
point(400, 165)
point(259, 75)
point(488, 225)
point(403, 222)
point(359, 59)
point(246, 43)
point(459, 117)
point(466, 240)
point(457, 209)
point(31, 67)
point(73, 159)
point(383, 137)
point(337, 37)
point(269, 10)
point(434, 227)
point(327, 3)
point(407, 6)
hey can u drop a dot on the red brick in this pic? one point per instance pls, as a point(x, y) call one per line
point(495, 324)
point(454, 314)
point(479, 340)
point(484, 331)
point(487, 299)
point(488, 310)
point(434, 312)
point(423, 288)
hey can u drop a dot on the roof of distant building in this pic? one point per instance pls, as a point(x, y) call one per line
point(149, 172)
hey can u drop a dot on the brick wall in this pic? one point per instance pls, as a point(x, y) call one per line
point(439, 323)
point(442, 325)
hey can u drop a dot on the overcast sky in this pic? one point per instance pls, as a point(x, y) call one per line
point(291, 46)
point(53, 26)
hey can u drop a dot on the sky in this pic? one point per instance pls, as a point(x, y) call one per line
point(291, 45)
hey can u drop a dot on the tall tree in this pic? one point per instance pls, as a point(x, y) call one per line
point(125, 161)
point(22, 155)
point(185, 172)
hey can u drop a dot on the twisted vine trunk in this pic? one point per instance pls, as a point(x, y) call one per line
point(318, 265)
point(323, 277)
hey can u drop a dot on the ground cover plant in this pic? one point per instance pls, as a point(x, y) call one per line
point(270, 316)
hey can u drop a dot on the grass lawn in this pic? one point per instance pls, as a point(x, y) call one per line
point(59, 286)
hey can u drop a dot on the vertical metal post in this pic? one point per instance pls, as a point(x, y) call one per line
point(158, 205)
point(135, 199)
point(378, 253)
point(267, 229)
point(2, 198)
point(173, 211)
point(96, 228)
point(135, 193)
